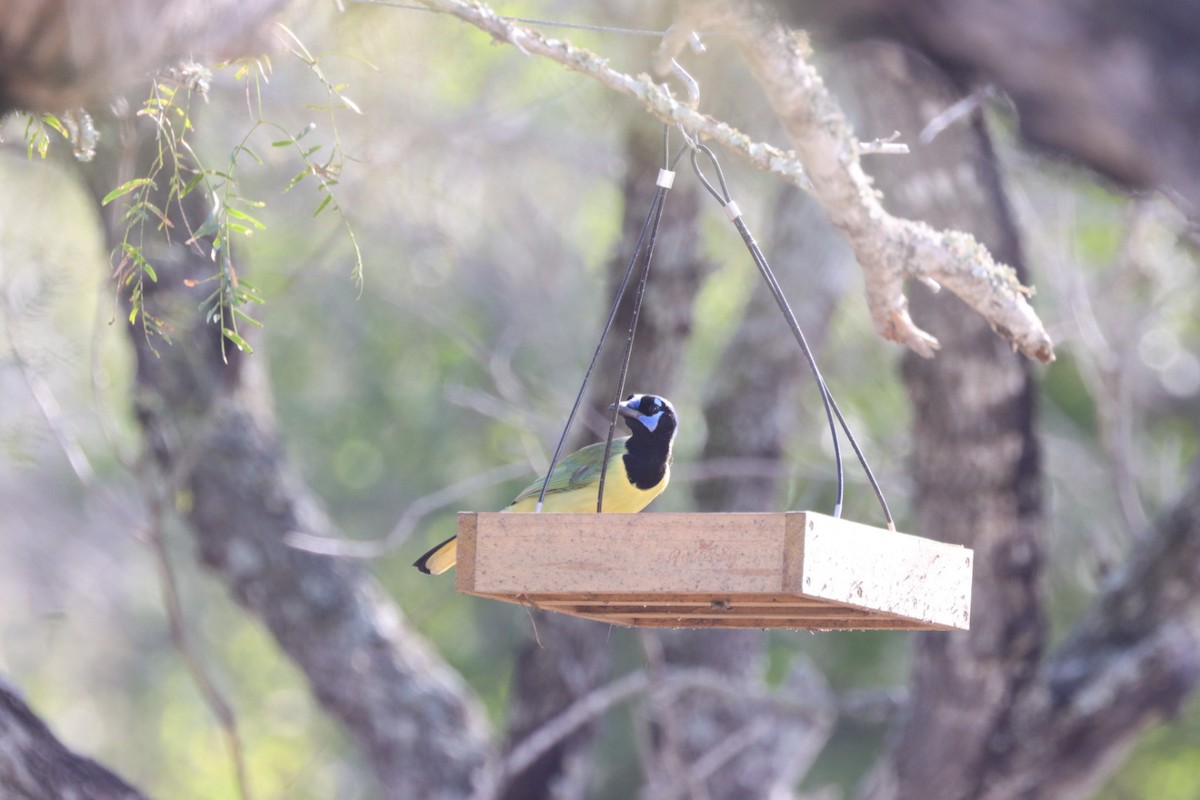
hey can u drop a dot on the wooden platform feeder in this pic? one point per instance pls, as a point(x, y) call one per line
point(778, 570)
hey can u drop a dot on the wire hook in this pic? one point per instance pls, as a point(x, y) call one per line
point(693, 88)
point(665, 61)
point(693, 98)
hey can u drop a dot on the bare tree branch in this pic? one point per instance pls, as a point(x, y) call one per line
point(416, 511)
point(890, 249)
point(34, 765)
point(1133, 660)
point(583, 711)
point(213, 697)
point(669, 687)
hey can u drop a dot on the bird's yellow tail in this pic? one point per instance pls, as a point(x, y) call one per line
point(440, 558)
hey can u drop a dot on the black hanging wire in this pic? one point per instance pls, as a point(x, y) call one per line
point(645, 243)
point(831, 407)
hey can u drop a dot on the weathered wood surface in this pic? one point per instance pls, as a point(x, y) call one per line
point(756, 570)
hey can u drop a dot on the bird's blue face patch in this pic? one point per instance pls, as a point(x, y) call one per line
point(651, 422)
point(648, 410)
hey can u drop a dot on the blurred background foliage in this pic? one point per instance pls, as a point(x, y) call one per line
point(484, 189)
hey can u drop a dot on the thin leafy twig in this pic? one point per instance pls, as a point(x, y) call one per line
point(47, 403)
point(416, 511)
point(177, 170)
point(600, 700)
point(728, 748)
point(670, 726)
point(213, 696)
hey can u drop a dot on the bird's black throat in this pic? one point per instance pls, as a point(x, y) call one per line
point(647, 454)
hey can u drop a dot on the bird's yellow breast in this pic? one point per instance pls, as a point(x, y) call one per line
point(620, 496)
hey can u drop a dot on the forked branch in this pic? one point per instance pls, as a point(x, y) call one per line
point(825, 163)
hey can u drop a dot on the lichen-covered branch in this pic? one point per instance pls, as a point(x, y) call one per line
point(889, 248)
point(826, 162)
point(655, 97)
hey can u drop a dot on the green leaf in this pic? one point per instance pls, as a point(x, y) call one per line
point(301, 175)
point(328, 199)
point(242, 215)
point(158, 212)
point(190, 185)
point(243, 148)
point(238, 341)
point(136, 213)
point(54, 122)
point(242, 315)
point(124, 189)
point(207, 228)
point(135, 254)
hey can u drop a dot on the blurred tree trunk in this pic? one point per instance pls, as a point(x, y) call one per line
point(574, 656)
point(214, 455)
point(751, 413)
point(60, 54)
point(988, 717)
point(976, 459)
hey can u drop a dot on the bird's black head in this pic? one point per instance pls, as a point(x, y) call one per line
point(649, 414)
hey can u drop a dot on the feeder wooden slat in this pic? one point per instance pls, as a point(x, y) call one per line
point(796, 569)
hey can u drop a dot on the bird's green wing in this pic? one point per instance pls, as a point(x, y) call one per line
point(578, 470)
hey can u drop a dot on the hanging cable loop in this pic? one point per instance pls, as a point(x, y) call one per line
point(831, 408)
point(644, 252)
point(645, 243)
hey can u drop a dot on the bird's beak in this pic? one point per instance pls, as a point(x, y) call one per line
point(626, 408)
